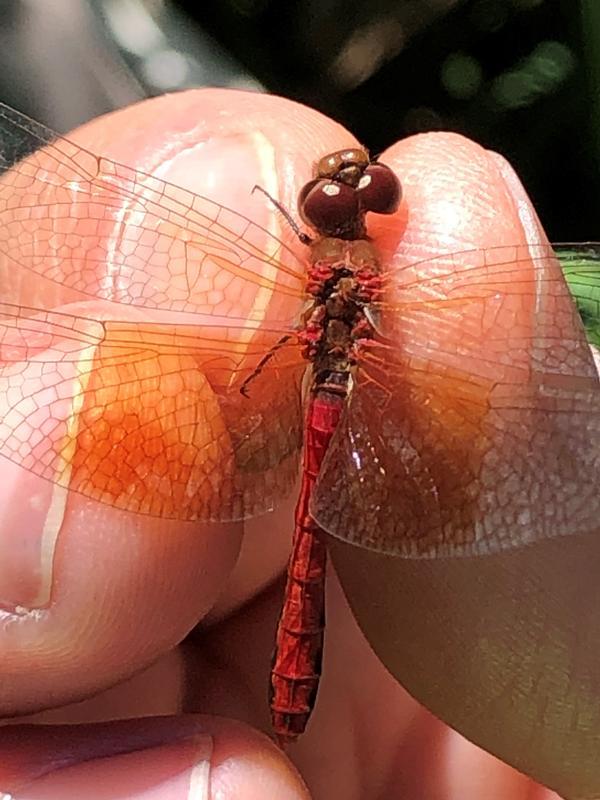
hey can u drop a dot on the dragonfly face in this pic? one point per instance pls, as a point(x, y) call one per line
point(346, 186)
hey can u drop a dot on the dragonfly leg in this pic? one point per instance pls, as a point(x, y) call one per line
point(262, 363)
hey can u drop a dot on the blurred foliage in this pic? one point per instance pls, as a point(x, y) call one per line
point(581, 267)
point(512, 74)
point(520, 76)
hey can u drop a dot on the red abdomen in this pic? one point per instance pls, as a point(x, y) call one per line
point(297, 659)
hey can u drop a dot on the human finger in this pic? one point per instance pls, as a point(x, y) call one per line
point(182, 758)
point(501, 646)
point(92, 592)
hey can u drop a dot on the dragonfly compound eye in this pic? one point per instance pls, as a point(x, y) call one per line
point(328, 206)
point(379, 190)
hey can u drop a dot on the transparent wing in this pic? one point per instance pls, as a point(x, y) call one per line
point(131, 313)
point(149, 418)
point(89, 227)
point(474, 424)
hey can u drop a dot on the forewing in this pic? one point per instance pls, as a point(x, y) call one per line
point(474, 424)
point(88, 227)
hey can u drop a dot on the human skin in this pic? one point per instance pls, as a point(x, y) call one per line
point(109, 645)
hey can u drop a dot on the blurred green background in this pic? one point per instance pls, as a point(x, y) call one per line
point(519, 76)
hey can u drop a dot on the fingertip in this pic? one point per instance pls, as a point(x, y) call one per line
point(184, 758)
point(252, 767)
point(456, 198)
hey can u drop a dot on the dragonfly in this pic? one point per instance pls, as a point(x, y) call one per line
point(167, 401)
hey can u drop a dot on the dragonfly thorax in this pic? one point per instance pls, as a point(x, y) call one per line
point(343, 279)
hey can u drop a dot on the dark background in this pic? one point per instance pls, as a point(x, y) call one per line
point(519, 76)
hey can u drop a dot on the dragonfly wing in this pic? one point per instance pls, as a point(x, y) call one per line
point(82, 226)
point(132, 313)
point(150, 418)
point(474, 424)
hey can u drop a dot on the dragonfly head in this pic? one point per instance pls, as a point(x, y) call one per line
point(346, 185)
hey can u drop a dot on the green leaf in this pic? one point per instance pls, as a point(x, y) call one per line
point(581, 268)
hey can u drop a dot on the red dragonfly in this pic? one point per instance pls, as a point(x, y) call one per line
point(169, 405)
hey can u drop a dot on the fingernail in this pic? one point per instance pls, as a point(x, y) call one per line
point(38, 417)
point(31, 515)
point(532, 227)
point(176, 771)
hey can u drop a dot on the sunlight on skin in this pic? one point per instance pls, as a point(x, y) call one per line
point(127, 590)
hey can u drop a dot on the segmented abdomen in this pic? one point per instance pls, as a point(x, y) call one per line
point(297, 660)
